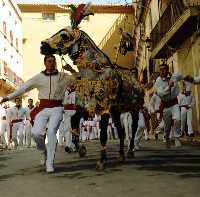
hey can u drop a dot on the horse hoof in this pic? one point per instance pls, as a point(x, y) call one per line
point(68, 149)
point(82, 151)
point(121, 158)
point(100, 165)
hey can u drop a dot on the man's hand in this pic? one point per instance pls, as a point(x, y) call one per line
point(189, 78)
point(4, 99)
point(68, 67)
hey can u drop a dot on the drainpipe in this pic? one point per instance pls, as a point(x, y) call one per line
point(194, 65)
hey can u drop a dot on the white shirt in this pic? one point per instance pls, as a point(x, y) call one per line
point(28, 111)
point(2, 112)
point(14, 113)
point(70, 97)
point(164, 91)
point(185, 100)
point(4, 127)
point(196, 80)
point(49, 86)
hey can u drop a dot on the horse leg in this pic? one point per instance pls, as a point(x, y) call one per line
point(121, 132)
point(135, 117)
point(75, 122)
point(103, 140)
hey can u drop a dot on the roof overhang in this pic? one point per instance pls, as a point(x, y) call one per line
point(128, 9)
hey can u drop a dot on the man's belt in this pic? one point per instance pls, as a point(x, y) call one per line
point(44, 103)
point(167, 104)
point(70, 107)
point(16, 121)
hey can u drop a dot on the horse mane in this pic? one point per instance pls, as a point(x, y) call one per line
point(85, 35)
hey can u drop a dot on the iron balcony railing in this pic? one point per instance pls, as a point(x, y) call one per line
point(174, 10)
point(113, 28)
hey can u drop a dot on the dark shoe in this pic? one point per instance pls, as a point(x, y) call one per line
point(121, 157)
point(130, 154)
point(191, 135)
point(103, 156)
point(168, 144)
point(82, 151)
point(182, 134)
point(156, 137)
point(101, 165)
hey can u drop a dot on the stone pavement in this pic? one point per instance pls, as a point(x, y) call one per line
point(154, 172)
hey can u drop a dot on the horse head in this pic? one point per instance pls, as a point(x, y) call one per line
point(61, 42)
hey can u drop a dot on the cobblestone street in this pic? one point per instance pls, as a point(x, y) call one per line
point(154, 172)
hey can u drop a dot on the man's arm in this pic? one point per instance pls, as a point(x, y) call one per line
point(178, 77)
point(68, 67)
point(161, 91)
point(27, 86)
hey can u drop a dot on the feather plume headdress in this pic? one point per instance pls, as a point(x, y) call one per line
point(79, 13)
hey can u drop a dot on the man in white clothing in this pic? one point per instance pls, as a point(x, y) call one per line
point(186, 100)
point(28, 123)
point(16, 117)
point(126, 122)
point(4, 131)
point(156, 120)
point(51, 86)
point(167, 89)
point(70, 110)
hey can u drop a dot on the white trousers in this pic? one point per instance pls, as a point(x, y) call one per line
point(109, 132)
point(4, 132)
point(140, 129)
point(84, 134)
point(172, 119)
point(126, 123)
point(160, 127)
point(27, 133)
point(67, 127)
point(52, 117)
point(61, 134)
point(18, 133)
point(186, 117)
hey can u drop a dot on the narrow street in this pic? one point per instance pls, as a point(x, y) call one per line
point(154, 172)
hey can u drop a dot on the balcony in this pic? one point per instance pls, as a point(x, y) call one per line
point(9, 80)
point(178, 22)
point(111, 40)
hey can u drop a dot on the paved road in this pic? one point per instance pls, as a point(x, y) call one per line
point(155, 172)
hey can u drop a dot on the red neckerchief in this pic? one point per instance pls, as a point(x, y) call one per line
point(55, 72)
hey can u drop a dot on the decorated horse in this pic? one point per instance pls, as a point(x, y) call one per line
point(111, 89)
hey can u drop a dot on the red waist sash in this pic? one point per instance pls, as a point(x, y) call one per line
point(70, 107)
point(44, 103)
point(16, 120)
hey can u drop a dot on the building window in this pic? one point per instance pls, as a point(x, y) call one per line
point(17, 43)
point(4, 28)
point(3, 4)
point(11, 37)
point(48, 16)
point(5, 66)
